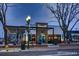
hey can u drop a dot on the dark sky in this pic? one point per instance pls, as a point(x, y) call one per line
point(17, 13)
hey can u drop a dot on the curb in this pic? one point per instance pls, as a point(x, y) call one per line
point(19, 50)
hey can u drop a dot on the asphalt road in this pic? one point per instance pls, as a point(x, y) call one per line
point(63, 52)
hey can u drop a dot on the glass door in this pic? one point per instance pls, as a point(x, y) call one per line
point(41, 38)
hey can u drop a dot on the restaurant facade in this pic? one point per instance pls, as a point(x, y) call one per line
point(40, 34)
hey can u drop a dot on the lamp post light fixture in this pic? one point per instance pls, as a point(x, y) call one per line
point(28, 18)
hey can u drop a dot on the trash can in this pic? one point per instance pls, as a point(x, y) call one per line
point(23, 46)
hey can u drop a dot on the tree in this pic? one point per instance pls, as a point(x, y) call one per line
point(65, 13)
point(3, 9)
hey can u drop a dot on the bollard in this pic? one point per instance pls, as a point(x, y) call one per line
point(6, 47)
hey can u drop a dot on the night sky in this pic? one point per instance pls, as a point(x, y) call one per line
point(17, 13)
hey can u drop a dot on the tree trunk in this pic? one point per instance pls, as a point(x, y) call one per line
point(65, 37)
point(5, 35)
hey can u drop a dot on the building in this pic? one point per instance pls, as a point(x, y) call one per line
point(73, 36)
point(40, 33)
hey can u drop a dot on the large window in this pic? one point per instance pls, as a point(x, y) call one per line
point(1, 40)
point(75, 37)
point(12, 38)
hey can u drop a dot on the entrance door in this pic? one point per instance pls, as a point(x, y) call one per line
point(42, 33)
point(41, 38)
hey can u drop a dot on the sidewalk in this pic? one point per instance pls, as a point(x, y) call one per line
point(50, 47)
point(55, 47)
point(31, 49)
point(69, 46)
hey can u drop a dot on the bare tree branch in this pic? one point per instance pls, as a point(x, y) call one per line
point(65, 14)
point(74, 25)
point(56, 15)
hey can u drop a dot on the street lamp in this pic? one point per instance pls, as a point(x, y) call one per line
point(28, 18)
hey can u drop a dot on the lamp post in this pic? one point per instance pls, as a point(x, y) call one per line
point(28, 18)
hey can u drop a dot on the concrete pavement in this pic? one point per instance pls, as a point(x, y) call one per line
point(30, 49)
point(70, 52)
point(50, 47)
point(54, 50)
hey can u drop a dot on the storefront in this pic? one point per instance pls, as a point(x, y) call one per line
point(39, 34)
point(73, 36)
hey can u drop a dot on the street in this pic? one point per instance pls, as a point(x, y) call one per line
point(63, 52)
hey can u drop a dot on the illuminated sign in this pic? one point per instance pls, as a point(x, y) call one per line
point(41, 25)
